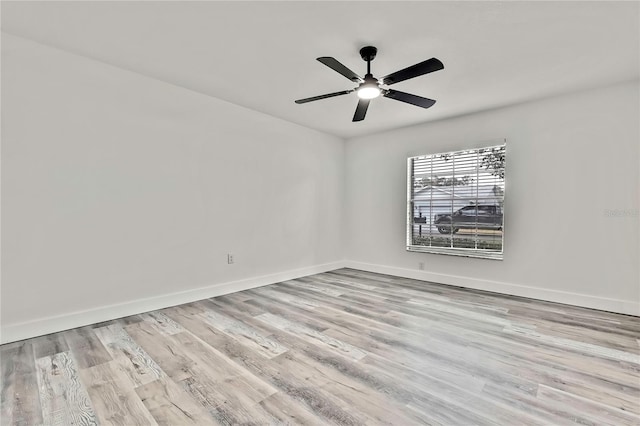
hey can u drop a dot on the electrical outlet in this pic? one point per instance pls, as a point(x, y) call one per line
point(229, 258)
point(421, 266)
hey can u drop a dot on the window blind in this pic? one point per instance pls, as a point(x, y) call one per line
point(456, 202)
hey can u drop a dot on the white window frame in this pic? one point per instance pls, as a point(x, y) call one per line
point(429, 222)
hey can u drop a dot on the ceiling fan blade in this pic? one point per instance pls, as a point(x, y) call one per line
point(328, 95)
point(361, 110)
point(338, 67)
point(409, 98)
point(425, 67)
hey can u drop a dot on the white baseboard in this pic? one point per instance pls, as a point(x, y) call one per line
point(41, 326)
point(576, 299)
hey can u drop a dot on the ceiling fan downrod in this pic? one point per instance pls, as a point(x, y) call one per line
point(368, 54)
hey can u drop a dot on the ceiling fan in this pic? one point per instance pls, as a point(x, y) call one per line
point(370, 87)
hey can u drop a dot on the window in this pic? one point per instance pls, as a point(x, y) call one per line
point(456, 202)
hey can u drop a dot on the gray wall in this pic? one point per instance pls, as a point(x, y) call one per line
point(117, 187)
point(570, 160)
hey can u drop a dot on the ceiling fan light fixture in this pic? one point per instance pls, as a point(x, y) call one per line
point(369, 88)
point(368, 91)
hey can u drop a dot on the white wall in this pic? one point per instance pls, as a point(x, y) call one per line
point(570, 159)
point(120, 189)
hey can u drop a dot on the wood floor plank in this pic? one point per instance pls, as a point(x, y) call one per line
point(584, 410)
point(324, 289)
point(243, 333)
point(287, 297)
point(132, 359)
point(586, 348)
point(528, 405)
point(169, 404)
point(162, 322)
point(288, 411)
point(63, 397)
point(265, 304)
point(133, 319)
point(167, 354)
point(85, 347)
point(113, 397)
point(348, 301)
point(49, 345)
point(286, 325)
point(19, 398)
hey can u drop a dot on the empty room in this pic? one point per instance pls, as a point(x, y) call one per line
point(322, 213)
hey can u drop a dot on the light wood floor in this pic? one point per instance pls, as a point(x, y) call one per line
point(344, 347)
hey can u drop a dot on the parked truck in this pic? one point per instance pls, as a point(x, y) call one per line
point(481, 216)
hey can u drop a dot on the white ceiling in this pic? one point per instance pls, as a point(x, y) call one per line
point(261, 55)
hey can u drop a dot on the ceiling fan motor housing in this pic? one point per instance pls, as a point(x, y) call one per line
point(368, 53)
